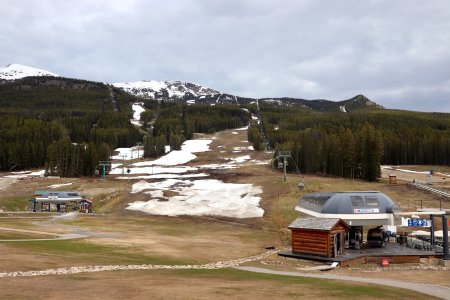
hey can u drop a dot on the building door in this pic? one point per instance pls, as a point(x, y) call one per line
point(337, 245)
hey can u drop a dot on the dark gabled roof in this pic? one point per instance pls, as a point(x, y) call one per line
point(315, 223)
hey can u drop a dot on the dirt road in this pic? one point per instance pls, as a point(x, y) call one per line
point(59, 236)
point(6, 182)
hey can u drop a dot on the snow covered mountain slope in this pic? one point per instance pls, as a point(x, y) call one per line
point(16, 71)
point(191, 94)
point(166, 89)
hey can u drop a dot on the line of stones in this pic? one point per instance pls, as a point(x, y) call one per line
point(100, 268)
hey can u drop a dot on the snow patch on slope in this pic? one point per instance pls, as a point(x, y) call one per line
point(137, 108)
point(172, 89)
point(17, 71)
point(199, 198)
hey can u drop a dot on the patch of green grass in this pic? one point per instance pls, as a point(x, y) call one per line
point(15, 204)
point(14, 235)
point(91, 253)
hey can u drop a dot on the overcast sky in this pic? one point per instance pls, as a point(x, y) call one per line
point(397, 53)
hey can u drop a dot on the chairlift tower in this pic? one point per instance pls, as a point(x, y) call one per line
point(138, 144)
point(104, 164)
point(123, 163)
point(282, 161)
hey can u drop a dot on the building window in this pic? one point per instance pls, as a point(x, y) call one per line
point(357, 200)
point(372, 201)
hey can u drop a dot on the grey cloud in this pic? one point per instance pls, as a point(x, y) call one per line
point(395, 52)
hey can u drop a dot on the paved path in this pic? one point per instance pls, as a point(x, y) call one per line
point(74, 232)
point(433, 290)
point(59, 236)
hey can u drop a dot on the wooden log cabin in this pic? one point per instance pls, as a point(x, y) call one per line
point(318, 236)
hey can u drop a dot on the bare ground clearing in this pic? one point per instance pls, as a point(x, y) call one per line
point(144, 238)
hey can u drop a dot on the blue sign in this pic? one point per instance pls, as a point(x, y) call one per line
point(417, 222)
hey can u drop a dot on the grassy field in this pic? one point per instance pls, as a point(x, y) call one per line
point(12, 235)
point(85, 253)
point(15, 204)
point(119, 236)
point(194, 284)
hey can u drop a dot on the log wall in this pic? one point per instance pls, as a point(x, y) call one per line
point(312, 242)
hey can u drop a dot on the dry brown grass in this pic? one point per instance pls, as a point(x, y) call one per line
point(144, 238)
point(220, 284)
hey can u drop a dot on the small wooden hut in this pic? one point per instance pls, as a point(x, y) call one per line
point(318, 236)
point(86, 206)
point(392, 179)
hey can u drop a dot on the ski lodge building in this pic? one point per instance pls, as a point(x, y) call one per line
point(60, 201)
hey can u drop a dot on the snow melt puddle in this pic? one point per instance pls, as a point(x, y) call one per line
point(200, 197)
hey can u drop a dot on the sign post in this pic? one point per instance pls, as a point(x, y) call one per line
point(445, 236)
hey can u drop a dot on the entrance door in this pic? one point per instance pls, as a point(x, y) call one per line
point(337, 244)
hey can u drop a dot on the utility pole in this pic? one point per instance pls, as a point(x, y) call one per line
point(445, 236)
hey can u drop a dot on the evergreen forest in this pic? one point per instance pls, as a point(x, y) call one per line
point(353, 145)
point(66, 125)
point(176, 122)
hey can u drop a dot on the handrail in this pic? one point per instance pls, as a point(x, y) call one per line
point(431, 189)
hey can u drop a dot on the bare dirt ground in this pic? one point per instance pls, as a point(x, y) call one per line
point(134, 237)
point(5, 183)
point(419, 174)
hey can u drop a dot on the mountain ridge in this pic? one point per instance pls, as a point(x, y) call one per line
point(191, 93)
point(17, 71)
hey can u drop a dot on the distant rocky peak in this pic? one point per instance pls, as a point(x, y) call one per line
point(166, 89)
point(363, 100)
